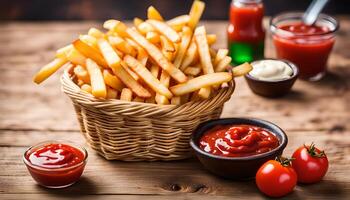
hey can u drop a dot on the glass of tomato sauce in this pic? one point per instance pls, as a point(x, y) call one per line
point(55, 164)
point(306, 46)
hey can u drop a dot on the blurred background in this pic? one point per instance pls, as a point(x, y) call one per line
point(128, 9)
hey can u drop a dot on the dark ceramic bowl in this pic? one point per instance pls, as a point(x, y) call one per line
point(275, 88)
point(237, 168)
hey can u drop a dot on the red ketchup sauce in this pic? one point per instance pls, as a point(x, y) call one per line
point(56, 165)
point(306, 47)
point(238, 140)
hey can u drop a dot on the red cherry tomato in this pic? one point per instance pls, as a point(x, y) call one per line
point(310, 163)
point(276, 178)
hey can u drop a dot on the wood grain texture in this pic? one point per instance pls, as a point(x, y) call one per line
point(317, 112)
point(166, 178)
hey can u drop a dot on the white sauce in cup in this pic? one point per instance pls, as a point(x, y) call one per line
point(271, 70)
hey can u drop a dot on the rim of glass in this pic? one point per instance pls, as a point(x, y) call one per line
point(67, 142)
point(246, 1)
point(332, 23)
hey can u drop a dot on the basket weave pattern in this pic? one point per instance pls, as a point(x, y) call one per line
point(132, 131)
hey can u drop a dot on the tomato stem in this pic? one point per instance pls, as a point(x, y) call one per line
point(285, 162)
point(312, 151)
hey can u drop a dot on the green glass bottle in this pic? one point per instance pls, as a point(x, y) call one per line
point(245, 32)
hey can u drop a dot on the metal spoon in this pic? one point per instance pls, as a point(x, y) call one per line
point(312, 12)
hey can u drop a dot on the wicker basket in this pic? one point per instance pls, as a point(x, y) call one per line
point(131, 131)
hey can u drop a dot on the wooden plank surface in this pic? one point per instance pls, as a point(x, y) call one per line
point(317, 112)
point(180, 177)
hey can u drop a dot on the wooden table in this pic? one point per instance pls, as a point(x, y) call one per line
point(314, 112)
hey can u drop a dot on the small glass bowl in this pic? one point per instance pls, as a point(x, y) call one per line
point(55, 177)
point(309, 51)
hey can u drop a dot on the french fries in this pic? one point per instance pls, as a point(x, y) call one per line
point(81, 74)
point(150, 100)
point(205, 58)
point(139, 99)
point(220, 55)
point(166, 45)
point(201, 82)
point(62, 52)
point(161, 100)
point(87, 88)
point(153, 13)
point(211, 38)
point(196, 13)
point(94, 32)
point(221, 66)
point(203, 50)
point(155, 70)
point(130, 82)
point(242, 69)
point(108, 53)
point(80, 82)
point(97, 83)
point(185, 41)
point(132, 43)
point(112, 81)
point(90, 52)
point(92, 41)
point(190, 56)
point(153, 37)
point(76, 57)
point(167, 48)
point(165, 80)
point(122, 45)
point(137, 21)
point(212, 52)
point(193, 71)
point(111, 93)
point(176, 100)
point(147, 76)
point(165, 29)
point(126, 94)
point(142, 56)
point(178, 22)
point(145, 27)
point(204, 92)
point(166, 62)
point(157, 56)
point(132, 73)
point(49, 69)
point(116, 26)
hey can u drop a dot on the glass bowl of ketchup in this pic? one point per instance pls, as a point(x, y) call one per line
point(55, 164)
point(306, 46)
